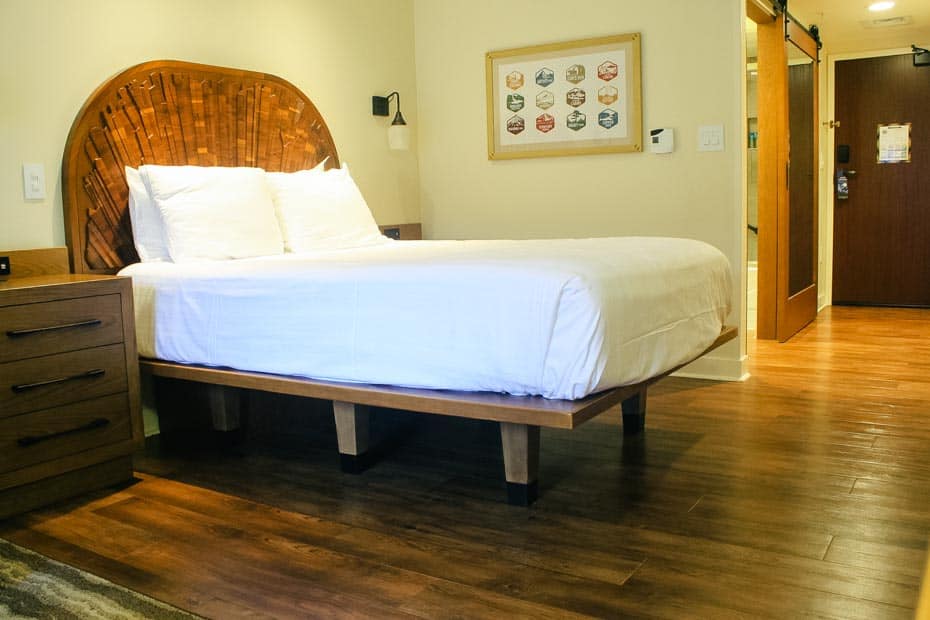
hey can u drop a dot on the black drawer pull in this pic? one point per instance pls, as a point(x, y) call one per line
point(32, 440)
point(18, 333)
point(90, 374)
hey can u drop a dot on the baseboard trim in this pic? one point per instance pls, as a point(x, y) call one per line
point(716, 369)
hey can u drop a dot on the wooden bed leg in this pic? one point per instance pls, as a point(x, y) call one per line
point(352, 433)
point(634, 413)
point(225, 407)
point(521, 462)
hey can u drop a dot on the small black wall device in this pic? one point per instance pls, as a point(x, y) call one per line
point(842, 154)
point(921, 56)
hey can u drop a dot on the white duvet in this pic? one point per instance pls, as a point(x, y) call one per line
point(557, 318)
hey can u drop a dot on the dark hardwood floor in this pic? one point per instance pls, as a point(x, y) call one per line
point(804, 491)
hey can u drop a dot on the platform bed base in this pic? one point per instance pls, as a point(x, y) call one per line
point(520, 417)
point(520, 443)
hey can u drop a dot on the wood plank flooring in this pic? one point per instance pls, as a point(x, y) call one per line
point(804, 491)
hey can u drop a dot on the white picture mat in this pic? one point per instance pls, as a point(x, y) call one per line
point(625, 136)
point(561, 109)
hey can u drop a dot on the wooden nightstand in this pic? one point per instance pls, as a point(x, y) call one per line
point(70, 413)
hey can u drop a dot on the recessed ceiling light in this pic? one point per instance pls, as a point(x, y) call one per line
point(881, 6)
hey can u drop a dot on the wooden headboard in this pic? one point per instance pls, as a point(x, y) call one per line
point(176, 113)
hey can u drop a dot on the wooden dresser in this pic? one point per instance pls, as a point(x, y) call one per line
point(70, 414)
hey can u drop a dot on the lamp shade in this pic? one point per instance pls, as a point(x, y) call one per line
point(399, 137)
point(398, 132)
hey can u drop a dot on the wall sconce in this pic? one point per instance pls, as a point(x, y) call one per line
point(398, 132)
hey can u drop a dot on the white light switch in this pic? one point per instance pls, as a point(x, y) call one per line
point(710, 138)
point(34, 181)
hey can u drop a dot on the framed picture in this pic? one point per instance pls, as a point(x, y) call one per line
point(572, 98)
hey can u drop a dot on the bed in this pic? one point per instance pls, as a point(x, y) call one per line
point(529, 334)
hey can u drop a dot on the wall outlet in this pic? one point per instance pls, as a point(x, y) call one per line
point(4, 267)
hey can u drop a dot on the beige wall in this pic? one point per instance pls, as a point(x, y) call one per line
point(692, 64)
point(56, 52)
point(340, 53)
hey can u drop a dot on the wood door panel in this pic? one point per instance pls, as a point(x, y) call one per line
point(882, 232)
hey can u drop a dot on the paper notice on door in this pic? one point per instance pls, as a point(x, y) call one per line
point(894, 143)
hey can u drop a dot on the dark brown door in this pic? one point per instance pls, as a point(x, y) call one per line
point(881, 233)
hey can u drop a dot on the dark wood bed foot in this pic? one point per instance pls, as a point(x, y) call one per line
point(231, 443)
point(354, 463)
point(522, 494)
point(352, 432)
point(521, 462)
point(634, 413)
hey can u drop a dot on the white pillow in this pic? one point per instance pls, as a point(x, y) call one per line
point(322, 211)
point(148, 231)
point(214, 213)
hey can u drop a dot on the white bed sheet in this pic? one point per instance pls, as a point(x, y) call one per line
point(557, 318)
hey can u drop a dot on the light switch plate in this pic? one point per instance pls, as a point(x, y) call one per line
point(710, 138)
point(34, 181)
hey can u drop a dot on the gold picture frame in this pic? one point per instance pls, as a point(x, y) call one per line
point(572, 98)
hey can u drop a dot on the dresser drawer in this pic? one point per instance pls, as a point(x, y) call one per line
point(54, 433)
point(31, 330)
point(52, 380)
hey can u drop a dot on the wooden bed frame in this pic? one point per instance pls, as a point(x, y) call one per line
point(177, 113)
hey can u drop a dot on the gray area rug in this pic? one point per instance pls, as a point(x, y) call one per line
point(34, 586)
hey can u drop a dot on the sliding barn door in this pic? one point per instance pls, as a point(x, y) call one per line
point(788, 163)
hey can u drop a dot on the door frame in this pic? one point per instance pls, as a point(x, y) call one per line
point(827, 191)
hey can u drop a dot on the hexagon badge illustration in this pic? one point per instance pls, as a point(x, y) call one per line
point(545, 123)
point(514, 103)
point(545, 76)
point(545, 100)
point(575, 74)
point(607, 70)
point(515, 124)
point(576, 120)
point(607, 94)
point(514, 80)
point(608, 118)
point(575, 97)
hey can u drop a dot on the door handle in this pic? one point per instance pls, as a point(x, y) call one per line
point(842, 183)
point(31, 440)
point(90, 374)
point(18, 333)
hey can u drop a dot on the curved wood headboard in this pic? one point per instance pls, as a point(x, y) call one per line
point(176, 113)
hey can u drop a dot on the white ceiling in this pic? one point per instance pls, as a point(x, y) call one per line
point(844, 24)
